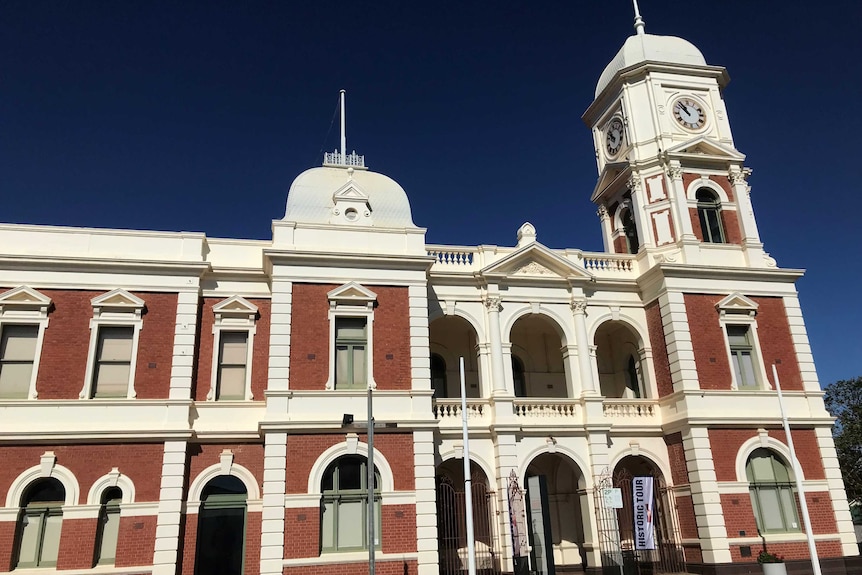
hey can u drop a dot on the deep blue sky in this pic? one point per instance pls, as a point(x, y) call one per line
point(198, 115)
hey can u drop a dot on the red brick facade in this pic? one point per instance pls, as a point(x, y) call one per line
point(78, 543)
point(249, 455)
point(137, 540)
point(726, 444)
point(664, 383)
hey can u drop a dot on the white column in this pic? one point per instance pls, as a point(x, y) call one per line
point(747, 223)
point(709, 515)
point(843, 521)
point(684, 228)
point(185, 333)
point(639, 213)
point(607, 228)
point(272, 517)
point(170, 509)
point(498, 380)
point(585, 364)
point(600, 461)
point(426, 502)
point(420, 344)
point(680, 352)
point(279, 347)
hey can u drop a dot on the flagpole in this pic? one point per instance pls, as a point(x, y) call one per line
point(797, 473)
point(343, 131)
point(468, 483)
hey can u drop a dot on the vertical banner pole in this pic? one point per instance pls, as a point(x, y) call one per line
point(797, 474)
point(371, 566)
point(468, 482)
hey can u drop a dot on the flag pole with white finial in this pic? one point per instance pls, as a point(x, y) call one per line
point(639, 22)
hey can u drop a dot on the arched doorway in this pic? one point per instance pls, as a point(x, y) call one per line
point(621, 372)
point(221, 527)
point(566, 503)
point(663, 552)
point(537, 352)
point(451, 523)
point(451, 338)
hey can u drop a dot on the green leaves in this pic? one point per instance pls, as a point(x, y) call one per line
point(844, 401)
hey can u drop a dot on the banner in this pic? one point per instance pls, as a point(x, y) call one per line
point(642, 499)
point(517, 518)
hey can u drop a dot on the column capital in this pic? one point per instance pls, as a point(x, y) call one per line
point(602, 212)
point(579, 306)
point(493, 303)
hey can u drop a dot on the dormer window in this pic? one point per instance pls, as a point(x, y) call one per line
point(709, 214)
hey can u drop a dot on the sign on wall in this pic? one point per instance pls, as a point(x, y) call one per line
point(642, 499)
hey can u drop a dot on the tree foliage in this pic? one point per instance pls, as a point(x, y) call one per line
point(844, 401)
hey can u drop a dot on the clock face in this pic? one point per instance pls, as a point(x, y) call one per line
point(614, 137)
point(689, 114)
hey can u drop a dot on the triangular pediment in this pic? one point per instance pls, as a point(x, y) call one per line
point(737, 303)
point(235, 305)
point(118, 299)
point(705, 148)
point(535, 261)
point(352, 293)
point(350, 191)
point(613, 176)
point(24, 296)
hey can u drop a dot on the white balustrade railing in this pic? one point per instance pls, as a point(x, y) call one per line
point(452, 256)
point(337, 159)
point(451, 408)
point(544, 408)
point(632, 408)
point(607, 263)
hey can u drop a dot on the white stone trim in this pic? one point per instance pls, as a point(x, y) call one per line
point(315, 475)
point(352, 300)
point(458, 453)
point(742, 315)
point(81, 511)
point(112, 479)
point(139, 509)
point(762, 439)
point(704, 182)
point(25, 306)
point(234, 314)
point(115, 308)
point(659, 463)
point(243, 474)
point(185, 341)
point(349, 557)
point(564, 324)
point(585, 481)
point(58, 472)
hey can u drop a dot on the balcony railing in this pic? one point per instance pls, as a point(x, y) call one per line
point(631, 408)
point(547, 408)
point(450, 409)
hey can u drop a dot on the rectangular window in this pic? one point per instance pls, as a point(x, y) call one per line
point(742, 355)
point(40, 537)
point(17, 353)
point(351, 341)
point(113, 361)
point(109, 519)
point(233, 357)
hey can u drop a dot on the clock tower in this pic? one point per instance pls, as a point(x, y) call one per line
point(672, 185)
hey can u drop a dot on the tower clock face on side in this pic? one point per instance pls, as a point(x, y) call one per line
point(614, 137)
point(689, 114)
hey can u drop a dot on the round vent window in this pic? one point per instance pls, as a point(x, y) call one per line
point(351, 214)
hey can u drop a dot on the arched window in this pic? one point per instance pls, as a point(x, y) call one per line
point(518, 377)
point(631, 231)
point(709, 213)
point(771, 492)
point(221, 527)
point(39, 523)
point(109, 526)
point(344, 521)
point(438, 376)
point(632, 379)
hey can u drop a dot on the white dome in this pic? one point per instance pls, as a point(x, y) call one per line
point(310, 199)
point(649, 48)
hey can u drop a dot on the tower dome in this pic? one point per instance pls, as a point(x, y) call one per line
point(644, 47)
point(318, 194)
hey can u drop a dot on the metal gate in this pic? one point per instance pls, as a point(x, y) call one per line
point(452, 528)
point(616, 531)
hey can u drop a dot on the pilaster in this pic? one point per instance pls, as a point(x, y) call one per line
point(170, 508)
point(801, 345)
point(419, 345)
point(272, 517)
point(680, 352)
point(506, 459)
point(840, 506)
point(709, 515)
point(426, 502)
point(185, 335)
point(600, 461)
point(745, 214)
point(279, 346)
point(639, 214)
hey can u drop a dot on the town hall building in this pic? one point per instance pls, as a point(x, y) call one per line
point(177, 404)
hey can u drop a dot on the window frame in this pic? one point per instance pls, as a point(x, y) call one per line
point(713, 206)
point(789, 517)
point(235, 314)
point(43, 510)
point(738, 310)
point(336, 496)
point(351, 344)
point(26, 306)
point(108, 507)
point(352, 300)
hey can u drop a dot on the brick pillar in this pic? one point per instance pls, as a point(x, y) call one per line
point(8, 523)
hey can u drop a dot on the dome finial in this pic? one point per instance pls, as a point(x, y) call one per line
point(639, 22)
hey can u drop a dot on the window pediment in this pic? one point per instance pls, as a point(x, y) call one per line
point(737, 304)
point(705, 148)
point(117, 301)
point(235, 309)
point(24, 300)
point(351, 294)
